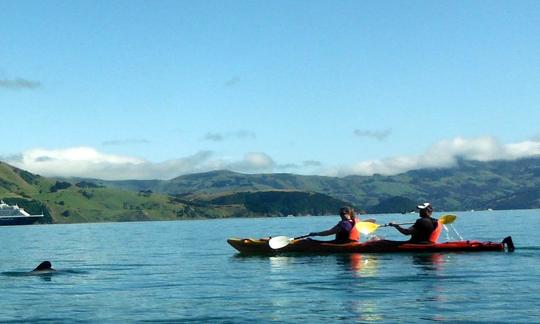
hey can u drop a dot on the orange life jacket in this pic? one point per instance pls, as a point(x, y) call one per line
point(436, 233)
point(354, 234)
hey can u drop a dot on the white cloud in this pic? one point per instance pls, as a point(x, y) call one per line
point(523, 149)
point(88, 162)
point(442, 155)
point(78, 161)
point(75, 155)
point(253, 162)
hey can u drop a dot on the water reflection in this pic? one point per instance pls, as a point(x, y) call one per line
point(279, 262)
point(46, 276)
point(361, 265)
point(429, 261)
point(366, 311)
point(358, 287)
point(434, 292)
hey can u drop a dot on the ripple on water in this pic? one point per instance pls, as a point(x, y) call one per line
point(176, 272)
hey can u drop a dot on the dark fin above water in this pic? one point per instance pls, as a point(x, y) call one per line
point(45, 265)
point(509, 243)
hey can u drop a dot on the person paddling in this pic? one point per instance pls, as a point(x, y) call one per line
point(345, 230)
point(425, 230)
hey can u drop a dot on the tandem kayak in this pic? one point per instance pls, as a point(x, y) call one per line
point(261, 246)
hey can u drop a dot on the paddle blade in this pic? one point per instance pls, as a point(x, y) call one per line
point(279, 241)
point(366, 227)
point(447, 219)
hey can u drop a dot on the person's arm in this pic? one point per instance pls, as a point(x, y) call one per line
point(404, 231)
point(332, 231)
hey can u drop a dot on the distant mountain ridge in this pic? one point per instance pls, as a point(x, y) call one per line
point(80, 202)
point(85, 200)
point(219, 194)
point(468, 185)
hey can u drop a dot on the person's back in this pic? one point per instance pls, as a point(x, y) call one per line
point(423, 228)
point(345, 231)
point(345, 226)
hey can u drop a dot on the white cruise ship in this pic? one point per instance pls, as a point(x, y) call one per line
point(15, 215)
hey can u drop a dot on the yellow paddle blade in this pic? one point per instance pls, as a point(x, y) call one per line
point(447, 219)
point(366, 227)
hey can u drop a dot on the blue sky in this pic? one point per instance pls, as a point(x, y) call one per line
point(156, 89)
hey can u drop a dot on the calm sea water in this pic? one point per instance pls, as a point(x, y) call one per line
point(186, 272)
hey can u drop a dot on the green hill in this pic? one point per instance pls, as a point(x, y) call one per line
point(85, 200)
point(393, 205)
point(65, 202)
point(282, 203)
point(468, 185)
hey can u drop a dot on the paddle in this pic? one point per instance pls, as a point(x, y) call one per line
point(279, 242)
point(282, 241)
point(367, 227)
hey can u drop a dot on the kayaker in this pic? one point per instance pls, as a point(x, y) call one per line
point(345, 230)
point(425, 230)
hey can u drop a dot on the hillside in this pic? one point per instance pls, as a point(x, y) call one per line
point(468, 185)
point(65, 202)
point(282, 203)
point(84, 200)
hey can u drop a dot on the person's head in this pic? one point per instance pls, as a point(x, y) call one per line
point(346, 213)
point(425, 209)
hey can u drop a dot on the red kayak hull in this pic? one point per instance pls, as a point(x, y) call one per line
point(260, 246)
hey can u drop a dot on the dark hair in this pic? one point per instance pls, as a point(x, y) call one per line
point(347, 210)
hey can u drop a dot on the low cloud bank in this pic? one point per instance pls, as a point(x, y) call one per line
point(444, 154)
point(88, 162)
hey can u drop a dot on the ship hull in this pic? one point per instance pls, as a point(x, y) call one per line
point(21, 220)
